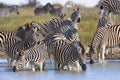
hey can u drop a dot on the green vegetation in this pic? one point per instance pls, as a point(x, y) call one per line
point(87, 26)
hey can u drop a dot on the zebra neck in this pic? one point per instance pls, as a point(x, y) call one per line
point(73, 23)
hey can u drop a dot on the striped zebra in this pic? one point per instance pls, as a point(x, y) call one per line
point(36, 55)
point(20, 32)
point(30, 40)
point(43, 10)
point(57, 44)
point(6, 11)
point(61, 12)
point(65, 53)
point(106, 7)
point(68, 27)
point(105, 37)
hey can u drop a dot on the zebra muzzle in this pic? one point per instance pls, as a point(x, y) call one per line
point(78, 20)
point(15, 69)
point(84, 67)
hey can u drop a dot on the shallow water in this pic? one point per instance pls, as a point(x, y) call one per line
point(107, 71)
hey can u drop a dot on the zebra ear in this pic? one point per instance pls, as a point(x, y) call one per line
point(27, 26)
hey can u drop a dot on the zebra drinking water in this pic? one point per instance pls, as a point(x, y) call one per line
point(36, 55)
point(105, 37)
point(5, 12)
point(65, 53)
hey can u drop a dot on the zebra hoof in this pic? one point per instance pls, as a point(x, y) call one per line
point(15, 69)
point(91, 61)
point(84, 67)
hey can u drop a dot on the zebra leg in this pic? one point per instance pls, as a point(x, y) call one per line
point(8, 60)
point(103, 53)
point(69, 67)
point(50, 56)
point(57, 65)
point(98, 56)
point(33, 67)
point(91, 58)
point(41, 66)
point(77, 65)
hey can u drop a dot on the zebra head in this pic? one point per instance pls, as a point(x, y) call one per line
point(20, 62)
point(49, 7)
point(22, 31)
point(39, 27)
point(76, 15)
point(14, 9)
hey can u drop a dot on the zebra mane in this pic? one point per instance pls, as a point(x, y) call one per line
point(57, 24)
point(54, 22)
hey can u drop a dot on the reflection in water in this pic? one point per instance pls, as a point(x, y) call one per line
point(107, 71)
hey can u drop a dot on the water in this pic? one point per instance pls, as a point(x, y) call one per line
point(107, 71)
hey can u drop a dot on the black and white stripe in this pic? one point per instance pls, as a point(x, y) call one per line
point(36, 55)
point(105, 37)
point(20, 32)
point(30, 40)
point(64, 52)
point(106, 7)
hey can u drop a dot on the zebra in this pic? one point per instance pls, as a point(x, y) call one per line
point(6, 11)
point(65, 53)
point(58, 25)
point(36, 55)
point(67, 27)
point(43, 10)
point(20, 32)
point(29, 41)
point(61, 12)
point(105, 37)
point(106, 7)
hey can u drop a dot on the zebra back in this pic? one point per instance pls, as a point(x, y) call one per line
point(106, 35)
point(20, 32)
point(66, 27)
